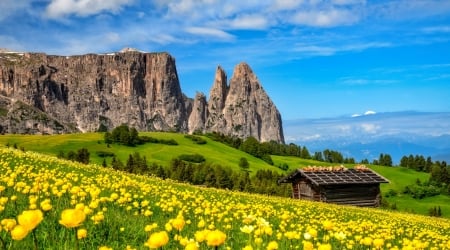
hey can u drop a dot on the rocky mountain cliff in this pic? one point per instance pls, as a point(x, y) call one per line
point(62, 94)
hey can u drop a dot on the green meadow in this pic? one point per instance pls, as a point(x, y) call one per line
point(218, 153)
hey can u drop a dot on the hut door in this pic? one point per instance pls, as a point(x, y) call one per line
point(306, 191)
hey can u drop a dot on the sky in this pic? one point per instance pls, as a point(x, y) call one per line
point(314, 58)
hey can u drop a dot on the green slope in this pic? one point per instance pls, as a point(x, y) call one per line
point(161, 154)
point(218, 153)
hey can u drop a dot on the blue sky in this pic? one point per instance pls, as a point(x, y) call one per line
point(314, 58)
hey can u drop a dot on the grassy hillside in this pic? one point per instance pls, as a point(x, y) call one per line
point(161, 154)
point(216, 152)
point(49, 203)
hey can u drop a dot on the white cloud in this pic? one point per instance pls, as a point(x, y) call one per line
point(249, 22)
point(315, 50)
point(370, 112)
point(209, 32)
point(310, 137)
point(410, 9)
point(325, 17)
point(348, 2)
point(162, 38)
point(369, 128)
point(112, 37)
point(437, 29)
point(286, 4)
point(8, 7)
point(363, 81)
point(60, 8)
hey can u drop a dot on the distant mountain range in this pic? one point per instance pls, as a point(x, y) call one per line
point(367, 135)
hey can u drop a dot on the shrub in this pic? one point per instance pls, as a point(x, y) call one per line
point(243, 163)
point(391, 193)
point(195, 139)
point(283, 166)
point(194, 158)
point(267, 158)
point(104, 154)
point(168, 142)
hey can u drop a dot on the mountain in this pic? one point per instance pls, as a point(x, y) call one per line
point(367, 136)
point(84, 93)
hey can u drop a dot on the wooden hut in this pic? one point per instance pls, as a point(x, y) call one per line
point(359, 186)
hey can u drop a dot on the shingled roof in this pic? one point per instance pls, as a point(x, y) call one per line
point(336, 176)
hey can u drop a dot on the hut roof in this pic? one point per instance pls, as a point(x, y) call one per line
point(336, 176)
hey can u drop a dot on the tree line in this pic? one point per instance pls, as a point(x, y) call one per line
point(206, 174)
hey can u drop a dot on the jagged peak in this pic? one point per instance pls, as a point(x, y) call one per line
point(199, 95)
point(243, 71)
point(242, 67)
point(221, 76)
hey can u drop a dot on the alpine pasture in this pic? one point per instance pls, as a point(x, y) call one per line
point(48, 203)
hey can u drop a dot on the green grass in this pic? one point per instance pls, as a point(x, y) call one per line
point(161, 154)
point(295, 162)
point(408, 204)
point(218, 153)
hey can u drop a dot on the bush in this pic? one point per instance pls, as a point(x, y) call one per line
point(168, 142)
point(391, 193)
point(283, 166)
point(195, 139)
point(243, 163)
point(267, 158)
point(104, 154)
point(420, 192)
point(144, 139)
point(194, 158)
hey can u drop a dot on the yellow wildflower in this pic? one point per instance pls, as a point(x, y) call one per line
point(273, 245)
point(30, 219)
point(72, 217)
point(324, 247)
point(19, 232)
point(178, 223)
point(157, 240)
point(378, 243)
point(327, 225)
point(81, 233)
point(191, 246)
point(8, 224)
point(307, 245)
point(215, 238)
point(247, 229)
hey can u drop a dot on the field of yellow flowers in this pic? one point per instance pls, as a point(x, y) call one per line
point(47, 203)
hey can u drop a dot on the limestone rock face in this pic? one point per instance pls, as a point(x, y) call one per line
point(216, 103)
point(139, 89)
point(199, 113)
point(17, 117)
point(49, 94)
point(248, 110)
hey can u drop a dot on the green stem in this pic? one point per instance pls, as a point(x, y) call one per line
point(3, 243)
point(35, 240)
point(77, 244)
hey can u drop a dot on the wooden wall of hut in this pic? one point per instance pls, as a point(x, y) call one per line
point(367, 195)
